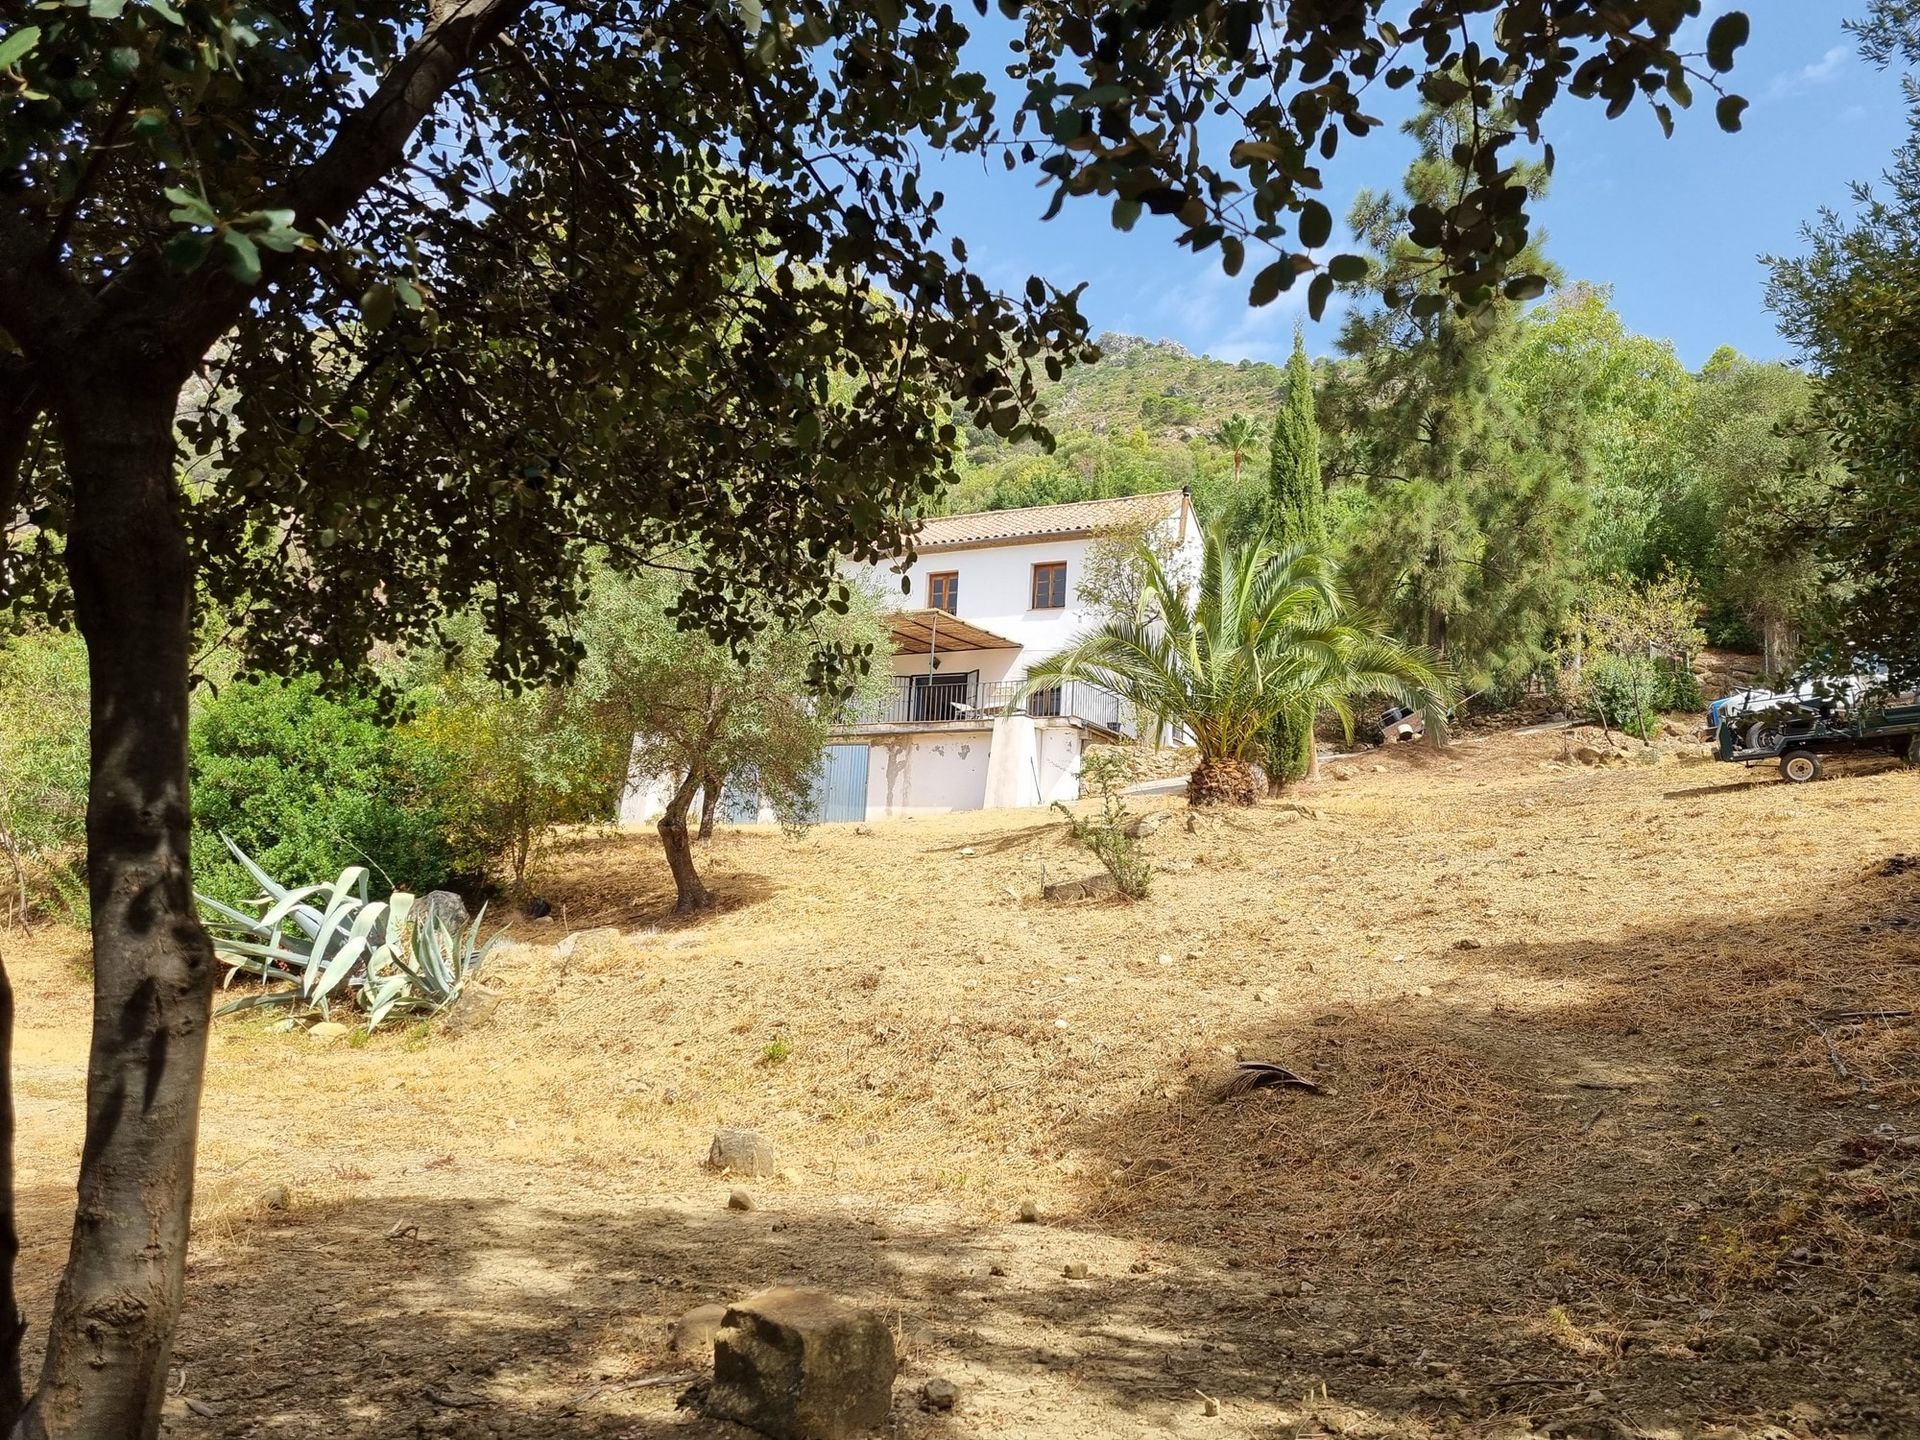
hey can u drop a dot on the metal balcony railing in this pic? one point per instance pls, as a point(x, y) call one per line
point(937, 698)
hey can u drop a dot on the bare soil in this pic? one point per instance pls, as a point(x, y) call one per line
point(1621, 1131)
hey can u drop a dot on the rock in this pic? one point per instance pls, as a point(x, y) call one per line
point(326, 1032)
point(966, 852)
point(1074, 1270)
point(796, 1364)
point(1086, 889)
point(473, 1009)
point(275, 1197)
point(1468, 945)
point(441, 907)
point(692, 1335)
point(743, 1152)
point(1029, 1212)
point(996, 1268)
point(740, 1200)
point(1209, 1405)
point(1141, 826)
point(939, 1394)
point(1340, 772)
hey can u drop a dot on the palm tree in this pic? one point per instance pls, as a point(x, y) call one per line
point(1237, 434)
point(1265, 633)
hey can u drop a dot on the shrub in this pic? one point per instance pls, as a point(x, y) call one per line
point(1109, 834)
point(327, 944)
point(1625, 690)
point(43, 773)
point(309, 783)
point(1680, 689)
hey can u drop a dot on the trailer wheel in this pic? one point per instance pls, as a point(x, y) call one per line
point(1801, 767)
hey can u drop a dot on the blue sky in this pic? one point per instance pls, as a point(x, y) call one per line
point(1676, 227)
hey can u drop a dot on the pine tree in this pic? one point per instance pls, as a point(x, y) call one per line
point(1471, 538)
point(1296, 516)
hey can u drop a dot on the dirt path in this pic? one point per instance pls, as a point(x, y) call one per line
point(1612, 1146)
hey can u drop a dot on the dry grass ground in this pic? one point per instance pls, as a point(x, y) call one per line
point(1620, 1135)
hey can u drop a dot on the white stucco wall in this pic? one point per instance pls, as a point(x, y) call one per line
point(996, 593)
point(1059, 763)
point(927, 774)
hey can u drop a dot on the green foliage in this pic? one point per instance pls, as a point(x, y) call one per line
point(43, 772)
point(315, 946)
point(1625, 690)
point(310, 783)
point(1852, 306)
point(1470, 535)
point(1109, 834)
point(1297, 495)
point(1261, 634)
point(511, 764)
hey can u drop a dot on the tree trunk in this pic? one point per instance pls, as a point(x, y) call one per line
point(1222, 782)
point(710, 788)
point(111, 1332)
point(689, 894)
point(12, 1325)
point(1433, 717)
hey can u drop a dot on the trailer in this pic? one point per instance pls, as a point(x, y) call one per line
point(1801, 730)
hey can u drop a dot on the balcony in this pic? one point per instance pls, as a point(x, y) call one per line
point(948, 699)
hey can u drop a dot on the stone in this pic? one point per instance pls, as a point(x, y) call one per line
point(796, 1364)
point(441, 907)
point(740, 1200)
point(692, 1335)
point(939, 1394)
point(472, 1009)
point(1142, 826)
point(1086, 889)
point(1074, 1270)
point(742, 1152)
point(326, 1032)
point(1029, 1212)
point(275, 1197)
point(1209, 1405)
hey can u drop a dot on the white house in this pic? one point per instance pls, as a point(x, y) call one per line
point(986, 597)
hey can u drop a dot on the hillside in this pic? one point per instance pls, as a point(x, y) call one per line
point(1136, 421)
point(1619, 1131)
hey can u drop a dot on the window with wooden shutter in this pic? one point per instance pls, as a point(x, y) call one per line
point(1050, 585)
point(943, 591)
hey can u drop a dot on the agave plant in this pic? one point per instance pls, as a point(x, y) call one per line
point(331, 943)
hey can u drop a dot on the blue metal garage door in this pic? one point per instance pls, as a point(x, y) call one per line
point(840, 789)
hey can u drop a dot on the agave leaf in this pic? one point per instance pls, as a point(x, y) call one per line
point(352, 881)
point(337, 915)
point(237, 918)
point(271, 950)
point(400, 910)
point(289, 902)
point(339, 967)
point(254, 1002)
point(266, 882)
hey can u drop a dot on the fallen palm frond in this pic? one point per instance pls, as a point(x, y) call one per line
point(1251, 1075)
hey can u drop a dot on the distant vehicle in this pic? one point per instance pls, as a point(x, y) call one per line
point(1822, 716)
point(1402, 723)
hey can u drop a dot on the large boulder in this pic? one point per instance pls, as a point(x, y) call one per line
point(441, 907)
point(796, 1364)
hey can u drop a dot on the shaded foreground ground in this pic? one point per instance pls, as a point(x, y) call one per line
point(1622, 1138)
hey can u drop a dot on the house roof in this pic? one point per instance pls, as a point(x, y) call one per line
point(1039, 522)
point(934, 632)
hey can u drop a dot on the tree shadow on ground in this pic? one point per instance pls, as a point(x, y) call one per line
point(1677, 1168)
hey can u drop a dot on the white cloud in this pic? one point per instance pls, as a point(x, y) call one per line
point(1823, 71)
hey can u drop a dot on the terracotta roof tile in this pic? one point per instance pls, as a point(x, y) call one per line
point(1080, 517)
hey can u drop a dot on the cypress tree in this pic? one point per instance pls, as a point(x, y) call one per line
point(1298, 506)
point(1296, 516)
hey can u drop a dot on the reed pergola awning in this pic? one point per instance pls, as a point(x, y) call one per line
point(934, 632)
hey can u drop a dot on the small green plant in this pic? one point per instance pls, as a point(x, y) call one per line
point(1110, 834)
point(776, 1052)
point(320, 945)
